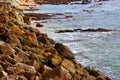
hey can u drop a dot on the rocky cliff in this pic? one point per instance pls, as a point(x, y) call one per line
point(27, 54)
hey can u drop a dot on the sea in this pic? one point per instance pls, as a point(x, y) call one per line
point(100, 50)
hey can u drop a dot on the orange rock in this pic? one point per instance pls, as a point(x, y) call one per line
point(56, 60)
point(16, 29)
point(6, 58)
point(6, 49)
point(29, 39)
point(21, 56)
point(67, 64)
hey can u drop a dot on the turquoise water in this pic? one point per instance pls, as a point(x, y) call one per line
point(96, 49)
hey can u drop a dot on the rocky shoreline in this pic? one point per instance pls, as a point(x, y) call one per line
point(28, 54)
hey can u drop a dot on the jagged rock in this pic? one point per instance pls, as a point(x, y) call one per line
point(29, 39)
point(13, 77)
point(17, 29)
point(2, 72)
point(71, 66)
point(56, 60)
point(100, 78)
point(59, 73)
point(22, 69)
point(96, 73)
point(21, 56)
point(6, 49)
point(7, 58)
point(33, 63)
point(64, 51)
point(37, 16)
point(13, 40)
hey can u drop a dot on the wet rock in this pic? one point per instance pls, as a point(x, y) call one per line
point(39, 25)
point(100, 78)
point(68, 16)
point(63, 31)
point(64, 51)
point(85, 30)
point(88, 11)
point(96, 30)
point(33, 63)
point(92, 71)
point(97, 73)
point(87, 77)
point(86, 1)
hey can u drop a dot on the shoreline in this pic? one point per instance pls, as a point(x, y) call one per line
point(27, 54)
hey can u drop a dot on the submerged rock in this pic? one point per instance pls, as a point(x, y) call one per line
point(85, 30)
point(39, 25)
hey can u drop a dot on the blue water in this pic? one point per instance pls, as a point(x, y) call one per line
point(96, 49)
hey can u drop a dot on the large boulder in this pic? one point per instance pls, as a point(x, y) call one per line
point(64, 51)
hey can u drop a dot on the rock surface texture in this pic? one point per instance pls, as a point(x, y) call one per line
point(27, 54)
